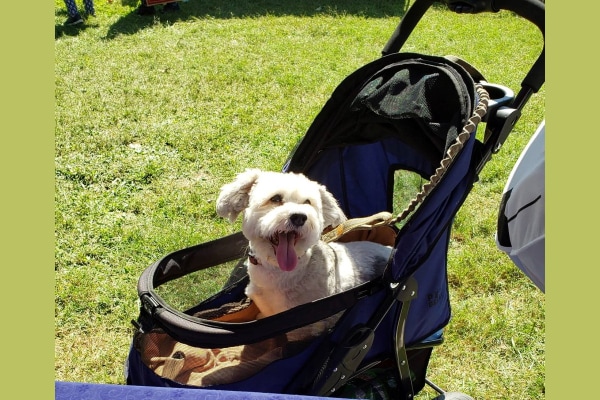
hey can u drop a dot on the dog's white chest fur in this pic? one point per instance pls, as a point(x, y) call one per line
point(326, 270)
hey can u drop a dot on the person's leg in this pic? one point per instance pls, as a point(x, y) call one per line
point(71, 7)
point(89, 7)
point(74, 16)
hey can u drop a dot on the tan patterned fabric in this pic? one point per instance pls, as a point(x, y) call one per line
point(195, 366)
point(206, 367)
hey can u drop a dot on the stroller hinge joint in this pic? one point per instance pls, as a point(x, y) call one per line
point(407, 291)
point(499, 126)
point(145, 322)
point(149, 304)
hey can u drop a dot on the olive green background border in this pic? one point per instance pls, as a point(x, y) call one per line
point(27, 200)
point(572, 207)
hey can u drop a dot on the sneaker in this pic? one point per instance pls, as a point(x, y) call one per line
point(171, 7)
point(146, 10)
point(74, 20)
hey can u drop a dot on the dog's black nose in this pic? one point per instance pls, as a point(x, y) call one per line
point(298, 219)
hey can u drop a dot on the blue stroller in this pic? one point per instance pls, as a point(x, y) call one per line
point(398, 133)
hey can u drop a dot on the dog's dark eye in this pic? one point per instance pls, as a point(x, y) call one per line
point(277, 199)
point(307, 202)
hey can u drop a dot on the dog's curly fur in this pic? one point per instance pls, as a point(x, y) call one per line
point(284, 217)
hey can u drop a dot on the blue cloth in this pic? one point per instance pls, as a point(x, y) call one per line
point(93, 391)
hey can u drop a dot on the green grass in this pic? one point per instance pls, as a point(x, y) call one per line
point(154, 114)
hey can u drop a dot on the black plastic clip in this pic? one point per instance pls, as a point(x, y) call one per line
point(149, 305)
point(145, 321)
point(498, 128)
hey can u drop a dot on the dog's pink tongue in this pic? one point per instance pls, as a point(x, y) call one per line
point(286, 254)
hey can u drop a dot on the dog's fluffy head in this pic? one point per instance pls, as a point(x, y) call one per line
point(284, 214)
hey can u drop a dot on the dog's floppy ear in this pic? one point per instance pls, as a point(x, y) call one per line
point(233, 198)
point(332, 213)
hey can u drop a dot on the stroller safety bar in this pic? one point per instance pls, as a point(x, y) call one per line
point(156, 312)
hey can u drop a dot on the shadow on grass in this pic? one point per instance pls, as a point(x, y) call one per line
point(219, 9)
point(74, 30)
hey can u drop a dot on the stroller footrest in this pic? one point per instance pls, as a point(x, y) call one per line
point(432, 341)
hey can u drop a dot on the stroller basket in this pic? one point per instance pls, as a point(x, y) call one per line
point(402, 117)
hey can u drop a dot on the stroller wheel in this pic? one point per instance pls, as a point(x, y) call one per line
point(453, 396)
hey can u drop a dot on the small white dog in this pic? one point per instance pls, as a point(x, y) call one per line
point(284, 217)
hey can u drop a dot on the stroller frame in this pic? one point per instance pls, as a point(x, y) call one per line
point(396, 293)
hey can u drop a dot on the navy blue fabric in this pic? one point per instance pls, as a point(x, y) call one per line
point(430, 311)
point(359, 175)
point(436, 213)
